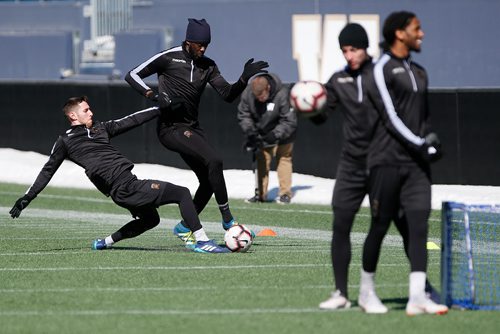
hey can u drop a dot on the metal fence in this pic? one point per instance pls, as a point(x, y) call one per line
point(109, 16)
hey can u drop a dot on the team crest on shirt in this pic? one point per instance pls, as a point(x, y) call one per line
point(155, 186)
point(188, 134)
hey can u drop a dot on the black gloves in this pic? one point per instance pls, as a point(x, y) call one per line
point(254, 142)
point(173, 103)
point(252, 69)
point(152, 96)
point(164, 100)
point(270, 138)
point(21, 203)
point(432, 148)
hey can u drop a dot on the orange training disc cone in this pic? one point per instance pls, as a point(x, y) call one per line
point(266, 233)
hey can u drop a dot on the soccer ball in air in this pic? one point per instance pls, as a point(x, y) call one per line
point(238, 238)
point(308, 98)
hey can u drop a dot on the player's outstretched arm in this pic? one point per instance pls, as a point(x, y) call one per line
point(56, 158)
point(119, 126)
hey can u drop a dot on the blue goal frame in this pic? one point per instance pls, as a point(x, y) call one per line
point(469, 292)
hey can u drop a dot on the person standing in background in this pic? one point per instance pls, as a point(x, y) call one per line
point(269, 125)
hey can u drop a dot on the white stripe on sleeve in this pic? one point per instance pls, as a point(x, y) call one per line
point(389, 106)
point(133, 73)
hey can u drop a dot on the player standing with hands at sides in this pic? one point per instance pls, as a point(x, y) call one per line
point(400, 154)
point(183, 72)
point(347, 88)
point(269, 126)
point(87, 143)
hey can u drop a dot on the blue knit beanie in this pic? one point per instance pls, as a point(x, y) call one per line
point(198, 31)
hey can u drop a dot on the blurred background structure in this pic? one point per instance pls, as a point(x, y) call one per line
point(53, 39)
point(50, 50)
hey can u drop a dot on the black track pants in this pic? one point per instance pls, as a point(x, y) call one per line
point(201, 157)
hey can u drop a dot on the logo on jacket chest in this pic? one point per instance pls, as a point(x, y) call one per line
point(178, 60)
point(345, 80)
point(398, 70)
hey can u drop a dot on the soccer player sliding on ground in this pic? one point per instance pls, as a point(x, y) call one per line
point(87, 143)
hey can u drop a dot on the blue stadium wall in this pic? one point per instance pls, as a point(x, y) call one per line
point(465, 119)
point(458, 49)
point(36, 41)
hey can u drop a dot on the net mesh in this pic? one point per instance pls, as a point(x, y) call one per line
point(470, 256)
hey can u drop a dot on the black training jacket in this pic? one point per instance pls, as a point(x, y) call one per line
point(91, 149)
point(183, 77)
point(399, 93)
point(346, 91)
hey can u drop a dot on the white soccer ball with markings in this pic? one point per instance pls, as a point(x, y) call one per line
point(308, 98)
point(238, 238)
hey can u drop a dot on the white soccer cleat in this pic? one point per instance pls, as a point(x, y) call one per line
point(370, 303)
point(335, 302)
point(424, 305)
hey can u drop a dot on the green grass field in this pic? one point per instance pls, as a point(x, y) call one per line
point(52, 282)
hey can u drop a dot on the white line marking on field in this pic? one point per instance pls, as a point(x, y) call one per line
point(232, 267)
point(191, 288)
point(105, 219)
point(65, 197)
point(43, 253)
point(253, 208)
point(177, 268)
point(164, 312)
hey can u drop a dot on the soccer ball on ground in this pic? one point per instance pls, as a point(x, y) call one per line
point(308, 98)
point(238, 238)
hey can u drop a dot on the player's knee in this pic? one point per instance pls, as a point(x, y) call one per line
point(341, 229)
point(215, 165)
point(184, 194)
point(417, 223)
point(150, 218)
point(418, 232)
point(380, 225)
point(343, 220)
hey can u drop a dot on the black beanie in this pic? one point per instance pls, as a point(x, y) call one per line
point(198, 31)
point(353, 35)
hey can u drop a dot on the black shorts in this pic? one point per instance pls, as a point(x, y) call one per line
point(190, 142)
point(139, 193)
point(351, 186)
point(395, 187)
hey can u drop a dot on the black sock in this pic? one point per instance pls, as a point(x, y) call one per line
point(226, 213)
